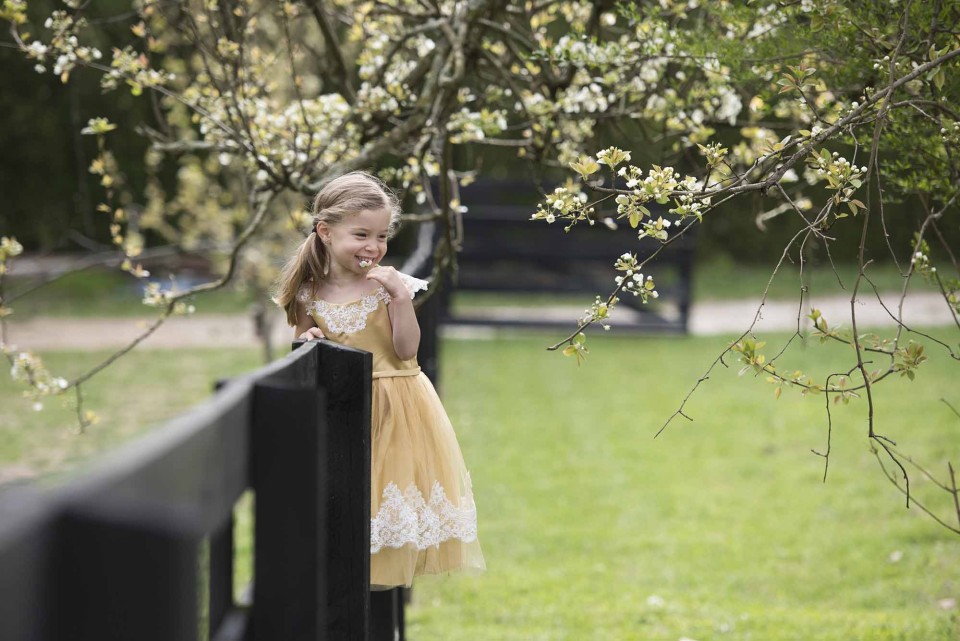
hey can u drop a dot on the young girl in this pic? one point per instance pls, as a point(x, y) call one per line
point(424, 520)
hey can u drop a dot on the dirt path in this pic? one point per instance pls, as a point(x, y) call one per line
point(202, 330)
point(231, 330)
point(922, 309)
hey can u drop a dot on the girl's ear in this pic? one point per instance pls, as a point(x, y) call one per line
point(323, 231)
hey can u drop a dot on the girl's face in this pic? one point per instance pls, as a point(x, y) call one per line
point(357, 242)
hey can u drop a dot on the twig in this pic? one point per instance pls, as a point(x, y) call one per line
point(254, 224)
point(956, 495)
point(906, 492)
point(952, 408)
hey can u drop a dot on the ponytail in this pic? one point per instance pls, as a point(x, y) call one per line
point(308, 265)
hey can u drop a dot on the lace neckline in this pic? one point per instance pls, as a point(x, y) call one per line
point(376, 292)
point(351, 316)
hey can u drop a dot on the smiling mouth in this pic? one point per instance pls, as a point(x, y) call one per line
point(365, 262)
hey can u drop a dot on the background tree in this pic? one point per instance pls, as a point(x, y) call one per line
point(834, 120)
point(822, 82)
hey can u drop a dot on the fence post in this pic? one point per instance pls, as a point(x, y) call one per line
point(428, 315)
point(220, 579)
point(288, 451)
point(346, 374)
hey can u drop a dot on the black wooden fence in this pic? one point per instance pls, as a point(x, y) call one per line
point(503, 251)
point(113, 554)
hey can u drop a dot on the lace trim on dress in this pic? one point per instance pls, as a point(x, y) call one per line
point(348, 318)
point(407, 518)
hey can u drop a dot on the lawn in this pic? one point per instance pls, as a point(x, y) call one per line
point(132, 395)
point(719, 529)
point(99, 291)
point(723, 279)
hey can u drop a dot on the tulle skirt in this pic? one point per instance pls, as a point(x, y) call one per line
point(423, 517)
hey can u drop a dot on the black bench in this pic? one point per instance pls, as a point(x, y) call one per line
point(504, 251)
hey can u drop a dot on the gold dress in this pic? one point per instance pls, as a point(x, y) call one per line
point(423, 517)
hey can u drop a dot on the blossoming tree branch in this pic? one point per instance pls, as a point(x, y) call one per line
point(254, 107)
point(830, 112)
point(862, 107)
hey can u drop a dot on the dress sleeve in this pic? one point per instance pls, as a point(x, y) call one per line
point(305, 295)
point(413, 284)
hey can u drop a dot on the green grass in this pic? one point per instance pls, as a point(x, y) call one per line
point(719, 529)
point(722, 279)
point(138, 391)
point(104, 292)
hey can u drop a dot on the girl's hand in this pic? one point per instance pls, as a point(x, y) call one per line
point(390, 279)
point(312, 334)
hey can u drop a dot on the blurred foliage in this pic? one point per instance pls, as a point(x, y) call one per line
point(50, 196)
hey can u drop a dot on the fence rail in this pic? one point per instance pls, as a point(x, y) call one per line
point(504, 252)
point(113, 553)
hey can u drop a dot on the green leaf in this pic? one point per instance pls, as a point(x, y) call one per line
point(585, 165)
point(97, 126)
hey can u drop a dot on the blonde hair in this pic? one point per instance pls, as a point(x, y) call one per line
point(341, 197)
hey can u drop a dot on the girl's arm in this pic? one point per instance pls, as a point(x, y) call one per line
point(406, 329)
point(403, 319)
point(306, 327)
